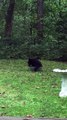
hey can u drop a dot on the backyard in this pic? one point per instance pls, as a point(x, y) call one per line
point(27, 93)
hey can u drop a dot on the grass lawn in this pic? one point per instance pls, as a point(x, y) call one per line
point(23, 92)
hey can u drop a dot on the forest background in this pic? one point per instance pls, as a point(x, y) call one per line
point(33, 28)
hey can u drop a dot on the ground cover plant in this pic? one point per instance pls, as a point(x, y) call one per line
point(23, 92)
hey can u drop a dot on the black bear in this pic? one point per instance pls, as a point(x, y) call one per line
point(34, 64)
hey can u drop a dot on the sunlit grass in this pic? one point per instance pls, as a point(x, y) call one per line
point(23, 92)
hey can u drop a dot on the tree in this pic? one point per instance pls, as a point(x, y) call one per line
point(39, 27)
point(9, 18)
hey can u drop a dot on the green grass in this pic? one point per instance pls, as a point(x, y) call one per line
point(23, 92)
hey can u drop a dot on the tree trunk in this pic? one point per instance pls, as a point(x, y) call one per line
point(9, 18)
point(60, 12)
point(40, 4)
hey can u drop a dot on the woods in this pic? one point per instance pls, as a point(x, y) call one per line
point(33, 28)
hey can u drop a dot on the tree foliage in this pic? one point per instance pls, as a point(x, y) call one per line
point(24, 38)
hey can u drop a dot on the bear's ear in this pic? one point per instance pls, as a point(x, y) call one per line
point(29, 58)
